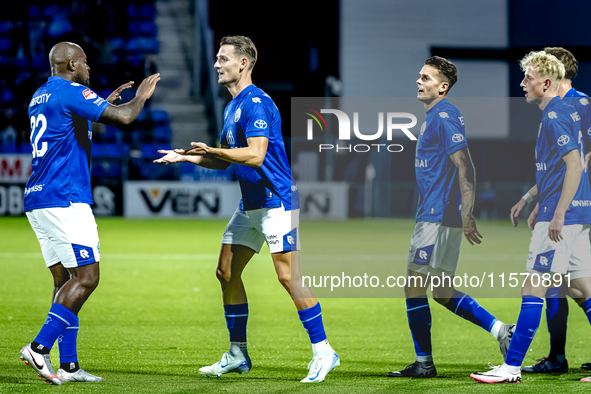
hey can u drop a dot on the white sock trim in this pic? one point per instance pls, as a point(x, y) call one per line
point(496, 328)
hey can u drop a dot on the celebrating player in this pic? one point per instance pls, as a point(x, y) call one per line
point(446, 179)
point(58, 195)
point(560, 238)
point(269, 209)
point(556, 303)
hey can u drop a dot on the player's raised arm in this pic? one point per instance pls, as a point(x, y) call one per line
point(125, 114)
point(467, 177)
point(180, 156)
point(253, 155)
point(526, 199)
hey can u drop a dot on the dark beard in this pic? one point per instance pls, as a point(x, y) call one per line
point(81, 82)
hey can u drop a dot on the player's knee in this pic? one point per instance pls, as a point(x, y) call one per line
point(285, 280)
point(223, 276)
point(89, 282)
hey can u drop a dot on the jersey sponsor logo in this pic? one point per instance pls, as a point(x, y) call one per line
point(33, 189)
point(552, 115)
point(584, 101)
point(89, 94)
point(272, 239)
point(237, 115)
point(256, 100)
point(563, 140)
point(420, 163)
point(444, 115)
point(40, 99)
point(575, 116)
point(541, 167)
point(457, 138)
point(461, 118)
point(589, 132)
point(539, 130)
point(260, 124)
point(581, 203)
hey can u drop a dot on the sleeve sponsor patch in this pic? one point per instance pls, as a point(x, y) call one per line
point(89, 94)
point(457, 138)
point(563, 140)
point(260, 124)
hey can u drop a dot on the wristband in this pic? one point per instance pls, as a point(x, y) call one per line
point(528, 198)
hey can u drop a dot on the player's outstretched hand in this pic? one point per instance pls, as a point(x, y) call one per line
point(115, 97)
point(555, 229)
point(470, 231)
point(533, 217)
point(198, 149)
point(516, 210)
point(170, 157)
point(147, 86)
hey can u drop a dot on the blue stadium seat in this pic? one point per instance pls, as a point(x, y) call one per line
point(105, 150)
point(6, 96)
point(6, 27)
point(132, 11)
point(143, 28)
point(160, 117)
point(162, 134)
point(34, 12)
point(148, 11)
point(5, 43)
point(117, 43)
point(151, 150)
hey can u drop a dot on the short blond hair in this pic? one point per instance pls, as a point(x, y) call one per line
point(545, 64)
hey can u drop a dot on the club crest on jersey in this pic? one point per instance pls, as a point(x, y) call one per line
point(237, 115)
point(552, 115)
point(444, 115)
point(423, 127)
point(260, 124)
point(457, 138)
point(89, 94)
point(256, 100)
point(584, 101)
point(563, 140)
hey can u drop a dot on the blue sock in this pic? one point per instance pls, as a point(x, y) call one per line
point(419, 321)
point(527, 325)
point(58, 318)
point(236, 318)
point(587, 308)
point(67, 343)
point(467, 307)
point(312, 320)
point(556, 315)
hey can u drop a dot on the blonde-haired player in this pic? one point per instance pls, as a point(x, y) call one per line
point(560, 239)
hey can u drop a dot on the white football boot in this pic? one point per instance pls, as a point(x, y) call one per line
point(498, 374)
point(321, 365)
point(41, 364)
point(78, 376)
point(229, 363)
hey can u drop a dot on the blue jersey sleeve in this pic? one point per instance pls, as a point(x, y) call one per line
point(561, 132)
point(451, 133)
point(256, 122)
point(83, 101)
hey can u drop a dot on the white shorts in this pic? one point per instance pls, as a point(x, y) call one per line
point(571, 255)
point(280, 228)
point(67, 235)
point(434, 249)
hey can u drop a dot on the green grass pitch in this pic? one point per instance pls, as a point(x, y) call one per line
point(157, 316)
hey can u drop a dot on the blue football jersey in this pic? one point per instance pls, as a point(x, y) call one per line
point(60, 114)
point(442, 134)
point(559, 133)
point(580, 101)
point(253, 114)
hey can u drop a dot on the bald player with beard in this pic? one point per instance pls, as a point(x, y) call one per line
point(58, 197)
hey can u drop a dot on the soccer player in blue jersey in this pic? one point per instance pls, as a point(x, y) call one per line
point(556, 302)
point(58, 198)
point(268, 211)
point(560, 239)
point(446, 182)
